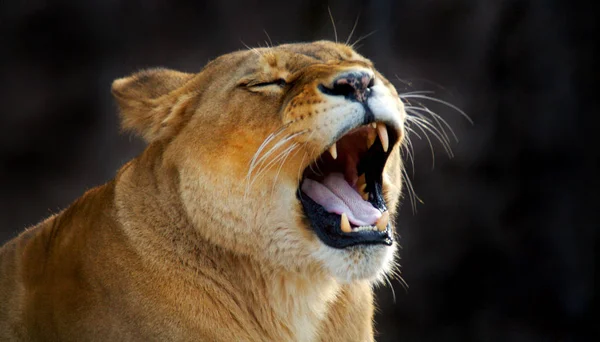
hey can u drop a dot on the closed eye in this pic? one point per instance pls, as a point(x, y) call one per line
point(280, 82)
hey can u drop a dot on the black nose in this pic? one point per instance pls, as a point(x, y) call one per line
point(355, 86)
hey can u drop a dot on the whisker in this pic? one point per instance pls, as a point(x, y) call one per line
point(387, 280)
point(420, 117)
point(412, 196)
point(272, 162)
point(256, 52)
point(254, 160)
point(427, 125)
point(312, 152)
point(287, 154)
point(320, 159)
point(426, 137)
point(333, 23)
point(412, 131)
point(361, 38)
point(409, 145)
point(441, 134)
point(431, 128)
point(410, 155)
point(304, 155)
point(438, 119)
point(318, 171)
point(403, 283)
point(410, 82)
point(416, 92)
point(396, 274)
point(269, 38)
point(448, 104)
point(419, 111)
point(407, 82)
point(278, 145)
point(353, 28)
point(260, 162)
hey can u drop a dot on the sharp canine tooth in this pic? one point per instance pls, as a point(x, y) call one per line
point(365, 196)
point(361, 185)
point(345, 224)
point(371, 135)
point(374, 124)
point(383, 221)
point(383, 136)
point(333, 150)
point(360, 181)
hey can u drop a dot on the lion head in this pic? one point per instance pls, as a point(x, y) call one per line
point(287, 154)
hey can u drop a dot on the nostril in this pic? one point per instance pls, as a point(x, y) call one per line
point(352, 85)
point(371, 83)
point(344, 89)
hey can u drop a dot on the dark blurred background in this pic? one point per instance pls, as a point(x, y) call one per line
point(503, 247)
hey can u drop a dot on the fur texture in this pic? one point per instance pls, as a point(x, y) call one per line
point(202, 237)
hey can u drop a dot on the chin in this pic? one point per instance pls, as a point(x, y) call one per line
point(360, 262)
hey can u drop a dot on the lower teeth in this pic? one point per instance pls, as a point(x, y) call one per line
point(363, 228)
point(380, 225)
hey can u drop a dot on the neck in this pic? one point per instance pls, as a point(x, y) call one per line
point(281, 304)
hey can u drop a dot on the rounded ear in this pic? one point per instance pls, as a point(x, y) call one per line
point(153, 102)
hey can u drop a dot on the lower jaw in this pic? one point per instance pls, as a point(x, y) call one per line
point(326, 227)
point(362, 262)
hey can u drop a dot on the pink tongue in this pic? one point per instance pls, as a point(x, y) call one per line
point(337, 196)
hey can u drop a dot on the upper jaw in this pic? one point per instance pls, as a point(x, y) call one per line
point(341, 188)
point(387, 132)
point(380, 108)
point(382, 118)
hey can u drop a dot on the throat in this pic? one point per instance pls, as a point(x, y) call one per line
point(302, 303)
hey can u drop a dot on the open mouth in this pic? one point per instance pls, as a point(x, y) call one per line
point(342, 191)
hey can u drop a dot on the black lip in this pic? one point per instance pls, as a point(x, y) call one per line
point(327, 225)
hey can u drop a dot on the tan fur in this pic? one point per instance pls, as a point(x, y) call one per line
point(184, 244)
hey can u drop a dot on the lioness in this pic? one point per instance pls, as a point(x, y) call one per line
point(261, 210)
